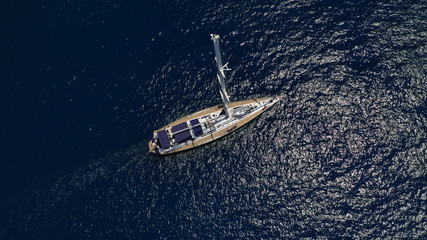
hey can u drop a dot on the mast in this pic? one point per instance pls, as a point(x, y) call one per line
point(220, 74)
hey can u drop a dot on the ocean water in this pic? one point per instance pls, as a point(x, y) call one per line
point(84, 84)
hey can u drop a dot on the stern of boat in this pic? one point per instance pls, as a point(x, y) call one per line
point(152, 149)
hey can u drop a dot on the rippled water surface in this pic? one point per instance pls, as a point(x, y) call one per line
point(342, 156)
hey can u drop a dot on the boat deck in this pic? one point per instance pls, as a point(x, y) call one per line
point(213, 124)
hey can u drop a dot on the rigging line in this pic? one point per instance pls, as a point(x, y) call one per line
point(256, 101)
point(238, 59)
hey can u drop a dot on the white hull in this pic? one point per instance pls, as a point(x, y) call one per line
point(211, 124)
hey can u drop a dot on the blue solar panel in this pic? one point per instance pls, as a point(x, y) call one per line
point(198, 129)
point(180, 126)
point(194, 122)
point(182, 136)
point(163, 139)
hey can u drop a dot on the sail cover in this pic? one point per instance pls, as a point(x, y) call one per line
point(163, 139)
point(181, 136)
point(198, 129)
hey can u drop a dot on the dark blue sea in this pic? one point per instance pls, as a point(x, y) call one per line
point(85, 83)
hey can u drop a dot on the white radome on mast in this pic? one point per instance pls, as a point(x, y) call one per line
point(220, 74)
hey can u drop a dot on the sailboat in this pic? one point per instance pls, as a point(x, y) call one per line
point(212, 123)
